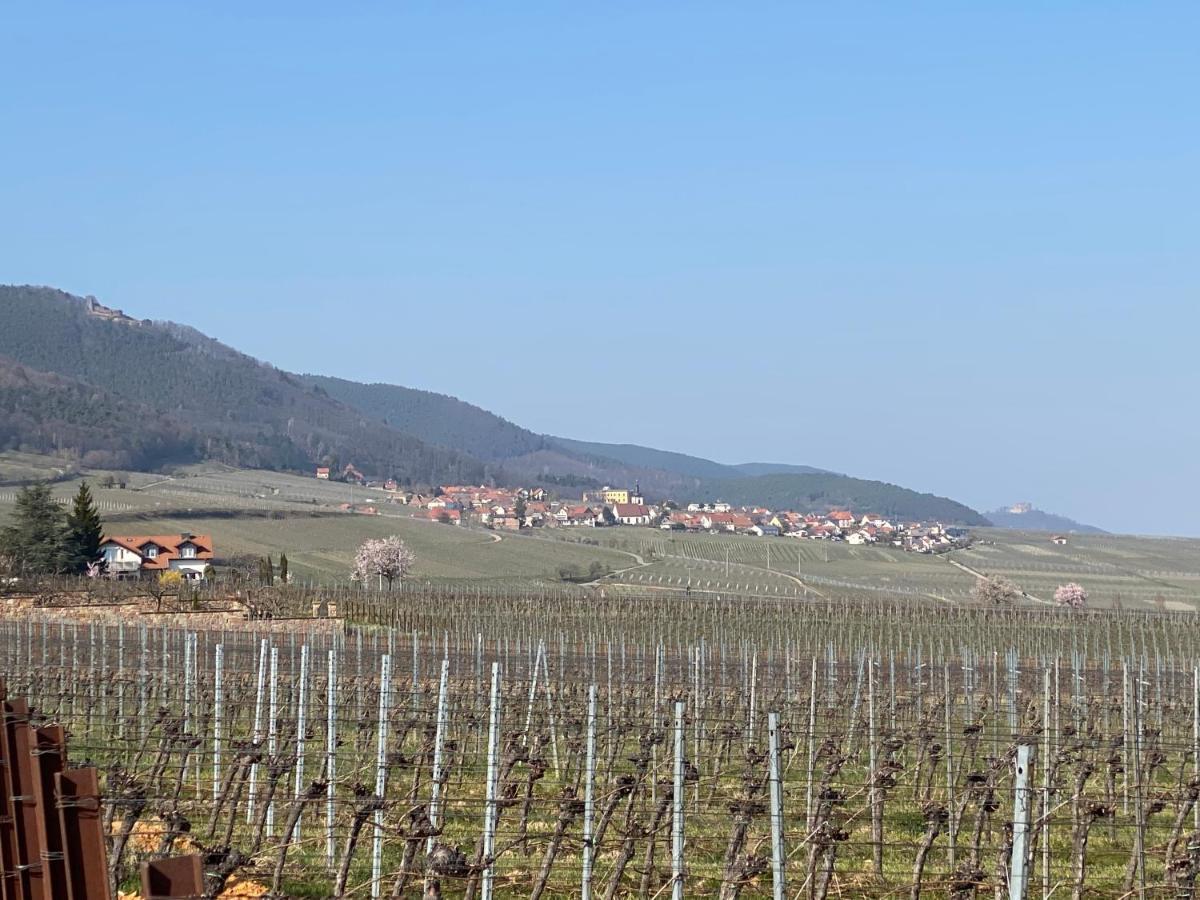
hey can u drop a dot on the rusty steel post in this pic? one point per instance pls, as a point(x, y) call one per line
point(23, 802)
point(48, 754)
point(79, 814)
point(173, 877)
point(10, 881)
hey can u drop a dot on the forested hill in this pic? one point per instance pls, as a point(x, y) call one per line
point(249, 413)
point(681, 464)
point(824, 492)
point(90, 383)
point(435, 418)
point(47, 413)
point(1031, 519)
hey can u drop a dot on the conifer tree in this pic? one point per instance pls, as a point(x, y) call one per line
point(84, 530)
point(35, 543)
point(283, 568)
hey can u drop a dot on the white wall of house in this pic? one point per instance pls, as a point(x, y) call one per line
point(120, 559)
point(191, 569)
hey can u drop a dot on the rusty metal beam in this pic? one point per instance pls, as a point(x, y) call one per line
point(9, 879)
point(48, 751)
point(79, 806)
point(22, 802)
point(173, 878)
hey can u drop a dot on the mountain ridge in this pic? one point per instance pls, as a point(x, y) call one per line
point(173, 381)
point(1026, 517)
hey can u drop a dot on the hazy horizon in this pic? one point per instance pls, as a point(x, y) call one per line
point(951, 248)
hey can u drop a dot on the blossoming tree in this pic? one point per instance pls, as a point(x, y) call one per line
point(1071, 595)
point(386, 558)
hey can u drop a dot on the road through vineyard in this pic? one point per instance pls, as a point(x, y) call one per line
point(640, 747)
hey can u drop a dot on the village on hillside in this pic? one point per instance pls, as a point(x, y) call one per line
point(515, 509)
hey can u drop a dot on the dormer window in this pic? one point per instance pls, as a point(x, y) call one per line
point(151, 552)
point(188, 551)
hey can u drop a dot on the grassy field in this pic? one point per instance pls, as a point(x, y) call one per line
point(1117, 570)
point(256, 512)
point(259, 512)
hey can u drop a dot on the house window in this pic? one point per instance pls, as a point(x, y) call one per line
point(151, 552)
point(187, 552)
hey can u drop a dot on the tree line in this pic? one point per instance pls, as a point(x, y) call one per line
point(45, 539)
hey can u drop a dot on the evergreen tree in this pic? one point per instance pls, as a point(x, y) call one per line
point(35, 543)
point(283, 568)
point(84, 530)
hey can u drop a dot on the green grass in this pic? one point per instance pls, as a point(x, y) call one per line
point(259, 512)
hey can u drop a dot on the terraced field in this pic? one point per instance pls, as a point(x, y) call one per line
point(259, 512)
point(1133, 572)
point(1124, 571)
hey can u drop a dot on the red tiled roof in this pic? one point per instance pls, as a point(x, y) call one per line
point(168, 547)
point(629, 510)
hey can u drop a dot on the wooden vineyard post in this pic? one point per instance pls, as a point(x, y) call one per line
point(589, 797)
point(677, 815)
point(778, 880)
point(490, 799)
point(1020, 824)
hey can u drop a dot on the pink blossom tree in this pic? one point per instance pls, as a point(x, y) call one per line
point(1071, 595)
point(383, 558)
point(996, 591)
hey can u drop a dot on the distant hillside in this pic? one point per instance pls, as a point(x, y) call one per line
point(649, 458)
point(45, 413)
point(435, 418)
point(92, 383)
point(1025, 518)
point(678, 463)
point(759, 468)
point(820, 493)
point(249, 413)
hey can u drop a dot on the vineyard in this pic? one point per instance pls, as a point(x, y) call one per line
point(563, 744)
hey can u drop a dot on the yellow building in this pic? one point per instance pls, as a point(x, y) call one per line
point(613, 495)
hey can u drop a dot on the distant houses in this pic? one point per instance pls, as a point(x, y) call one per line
point(515, 509)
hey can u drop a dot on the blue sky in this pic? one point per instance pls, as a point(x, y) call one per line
point(949, 245)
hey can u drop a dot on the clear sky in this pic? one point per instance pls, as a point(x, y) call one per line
point(950, 245)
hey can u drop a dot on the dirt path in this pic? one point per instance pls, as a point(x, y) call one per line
point(978, 574)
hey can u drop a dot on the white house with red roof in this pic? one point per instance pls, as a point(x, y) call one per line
point(631, 513)
point(135, 555)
